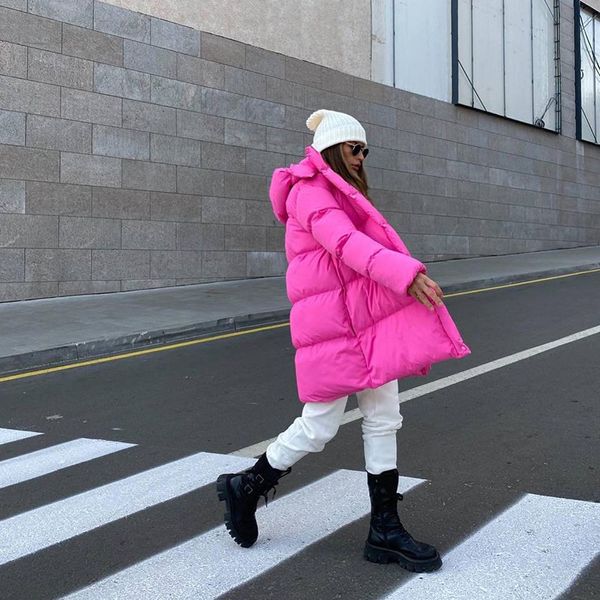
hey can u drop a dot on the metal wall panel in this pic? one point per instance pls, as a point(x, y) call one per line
point(382, 41)
point(465, 56)
point(519, 97)
point(509, 46)
point(423, 47)
point(597, 77)
point(488, 65)
point(588, 121)
point(543, 62)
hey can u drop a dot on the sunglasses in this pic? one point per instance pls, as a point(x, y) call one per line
point(357, 148)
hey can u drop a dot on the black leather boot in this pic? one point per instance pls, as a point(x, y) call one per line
point(388, 540)
point(241, 491)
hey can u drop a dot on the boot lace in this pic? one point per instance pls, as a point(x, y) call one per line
point(389, 512)
point(272, 487)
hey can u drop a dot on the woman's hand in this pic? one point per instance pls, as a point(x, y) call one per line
point(425, 289)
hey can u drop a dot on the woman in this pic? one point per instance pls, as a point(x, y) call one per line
point(364, 314)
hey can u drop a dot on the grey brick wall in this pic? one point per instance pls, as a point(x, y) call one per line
point(137, 153)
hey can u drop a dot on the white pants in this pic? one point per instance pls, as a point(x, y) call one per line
point(320, 422)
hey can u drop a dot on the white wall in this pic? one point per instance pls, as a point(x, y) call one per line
point(334, 33)
point(595, 4)
point(382, 69)
point(412, 46)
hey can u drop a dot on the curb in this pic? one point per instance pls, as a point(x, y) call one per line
point(78, 351)
point(87, 350)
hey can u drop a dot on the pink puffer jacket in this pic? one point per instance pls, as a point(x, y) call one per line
point(353, 324)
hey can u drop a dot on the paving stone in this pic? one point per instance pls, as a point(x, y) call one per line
point(150, 59)
point(149, 117)
point(12, 264)
point(59, 134)
point(148, 235)
point(199, 236)
point(12, 127)
point(92, 45)
point(125, 83)
point(120, 264)
point(91, 107)
point(174, 36)
point(13, 60)
point(29, 96)
point(176, 207)
point(30, 30)
point(28, 231)
point(223, 50)
point(121, 22)
point(121, 143)
point(53, 264)
point(77, 12)
point(143, 175)
point(80, 232)
point(12, 196)
point(114, 203)
point(90, 170)
point(58, 199)
point(17, 162)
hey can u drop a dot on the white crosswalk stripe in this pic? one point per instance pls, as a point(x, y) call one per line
point(41, 462)
point(533, 550)
point(42, 527)
point(13, 435)
point(212, 564)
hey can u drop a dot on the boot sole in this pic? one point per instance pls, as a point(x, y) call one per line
point(223, 494)
point(385, 556)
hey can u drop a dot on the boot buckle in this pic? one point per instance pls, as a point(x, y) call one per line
point(248, 489)
point(260, 478)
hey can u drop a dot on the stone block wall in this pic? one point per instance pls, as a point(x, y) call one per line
point(136, 153)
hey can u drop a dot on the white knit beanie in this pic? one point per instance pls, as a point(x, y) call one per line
point(332, 127)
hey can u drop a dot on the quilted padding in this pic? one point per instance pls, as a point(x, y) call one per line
point(353, 323)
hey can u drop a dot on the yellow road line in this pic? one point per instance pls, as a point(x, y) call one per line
point(162, 348)
point(97, 361)
point(499, 287)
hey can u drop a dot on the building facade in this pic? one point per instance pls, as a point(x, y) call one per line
point(137, 137)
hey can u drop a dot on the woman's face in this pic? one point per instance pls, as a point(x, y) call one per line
point(352, 162)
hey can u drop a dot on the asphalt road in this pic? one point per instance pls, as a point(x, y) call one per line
point(482, 445)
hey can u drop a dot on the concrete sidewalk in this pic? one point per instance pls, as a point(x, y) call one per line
point(38, 333)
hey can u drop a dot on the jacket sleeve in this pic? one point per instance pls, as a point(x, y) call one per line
point(320, 214)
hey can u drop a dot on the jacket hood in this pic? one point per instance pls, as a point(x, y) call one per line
point(285, 177)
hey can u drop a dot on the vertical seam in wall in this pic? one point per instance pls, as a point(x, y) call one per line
point(370, 45)
point(532, 64)
point(596, 126)
point(394, 43)
point(504, 58)
point(472, 62)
